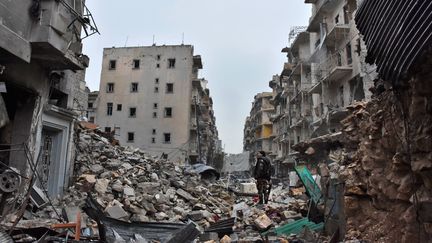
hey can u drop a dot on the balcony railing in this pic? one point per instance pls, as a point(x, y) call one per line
point(334, 67)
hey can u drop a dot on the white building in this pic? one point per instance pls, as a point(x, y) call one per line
point(145, 95)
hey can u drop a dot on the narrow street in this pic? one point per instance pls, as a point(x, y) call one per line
point(244, 136)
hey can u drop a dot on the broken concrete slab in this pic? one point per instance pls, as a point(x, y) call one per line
point(263, 222)
point(186, 195)
point(101, 186)
point(117, 212)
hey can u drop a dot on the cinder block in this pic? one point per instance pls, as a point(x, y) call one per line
point(248, 188)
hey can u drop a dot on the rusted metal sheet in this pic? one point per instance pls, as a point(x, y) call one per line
point(396, 33)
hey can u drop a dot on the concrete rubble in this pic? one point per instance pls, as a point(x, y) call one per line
point(132, 186)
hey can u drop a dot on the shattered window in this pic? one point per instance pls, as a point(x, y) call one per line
point(168, 112)
point(132, 112)
point(158, 57)
point(131, 136)
point(119, 107)
point(156, 89)
point(154, 114)
point(112, 64)
point(134, 87)
point(154, 131)
point(171, 63)
point(155, 105)
point(110, 88)
point(136, 64)
point(109, 109)
point(156, 81)
point(153, 140)
point(167, 137)
point(170, 88)
point(107, 129)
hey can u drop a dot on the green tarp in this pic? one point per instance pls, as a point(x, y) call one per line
point(309, 183)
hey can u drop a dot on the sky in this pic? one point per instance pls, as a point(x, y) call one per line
point(240, 43)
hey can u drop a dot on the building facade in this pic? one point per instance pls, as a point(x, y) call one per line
point(148, 96)
point(325, 72)
point(42, 90)
point(258, 129)
point(92, 106)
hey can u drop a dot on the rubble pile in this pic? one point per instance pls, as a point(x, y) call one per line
point(388, 196)
point(133, 186)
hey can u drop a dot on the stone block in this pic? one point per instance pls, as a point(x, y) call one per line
point(101, 186)
point(209, 236)
point(263, 222)
point(196, 215)
point(248, 188)
point(186, 195)
point(116, 212)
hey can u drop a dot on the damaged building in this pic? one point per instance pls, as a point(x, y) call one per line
point(92, 106)
point(151, 98)
point(205, 145)
point(358, 105)
point(258, 128)
point(42, 92)
point(325, 73)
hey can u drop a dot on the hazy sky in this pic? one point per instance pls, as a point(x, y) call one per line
point(239, 41)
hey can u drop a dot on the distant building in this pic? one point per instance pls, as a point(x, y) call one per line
point(258, 129)
point(151, 96)
point(92, 106)
point(325, 72)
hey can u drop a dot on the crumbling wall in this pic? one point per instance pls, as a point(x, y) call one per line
point(388, 196)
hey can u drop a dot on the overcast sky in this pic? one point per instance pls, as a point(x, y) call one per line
point(239, 41)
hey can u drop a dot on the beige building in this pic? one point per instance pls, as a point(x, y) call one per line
point(92, 106)
point(258, 129)
point(146, 97)
point(325, 73)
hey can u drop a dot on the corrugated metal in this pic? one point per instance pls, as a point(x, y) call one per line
point(4, 237)
point(396, 33)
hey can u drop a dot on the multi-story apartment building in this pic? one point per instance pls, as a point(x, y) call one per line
point(42, 73)
point(338, 77)
point(146, 97)
point(280, 120)
point(258, 129)
point(204, 138)
point(92, 106)
point(325, 72)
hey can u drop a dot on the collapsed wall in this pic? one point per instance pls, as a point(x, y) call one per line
point(388, 193)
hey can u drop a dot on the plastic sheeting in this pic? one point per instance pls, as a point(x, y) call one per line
point(113, 230)
point(236, 162)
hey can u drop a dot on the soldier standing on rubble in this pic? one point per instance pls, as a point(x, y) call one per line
point(262, 174)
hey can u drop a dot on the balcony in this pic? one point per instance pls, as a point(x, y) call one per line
point(56, 39)
point(50, 36)
point(334, 68)
point(337, 34)
point(322, 8)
